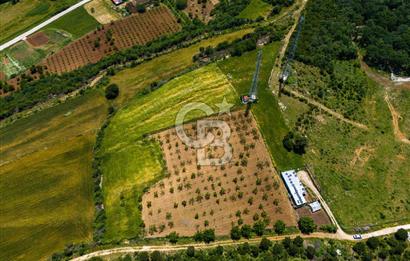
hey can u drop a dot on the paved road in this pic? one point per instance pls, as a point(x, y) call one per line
point(23, 36)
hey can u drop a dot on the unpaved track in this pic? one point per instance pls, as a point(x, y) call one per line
point(328, 110)
point(276, 69)
point(388, 85)
point(173, 248)
point(395, 121)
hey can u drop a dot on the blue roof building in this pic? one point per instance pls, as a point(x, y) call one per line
point(295, 187)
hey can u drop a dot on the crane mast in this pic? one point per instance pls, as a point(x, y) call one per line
point(252, 96)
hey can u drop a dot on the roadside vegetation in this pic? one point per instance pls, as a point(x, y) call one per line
point(392, 248)
point(19, 17)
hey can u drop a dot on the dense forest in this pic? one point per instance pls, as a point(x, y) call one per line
point(380, 28)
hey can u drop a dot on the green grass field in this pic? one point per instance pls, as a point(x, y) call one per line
point(15, 19)
point(255, 9)
point(364, 176)
point(46, 185)
point(266, 111)
point(77, 23)
point(133, 80)
point(131, 162)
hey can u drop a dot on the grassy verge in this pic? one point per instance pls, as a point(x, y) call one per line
point(46, 183)
point(266, 111)
point(255, 9)
point(130, 162)
point(77, 23)
point(15, 19)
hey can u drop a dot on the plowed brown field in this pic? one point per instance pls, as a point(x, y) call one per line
point(196, 197)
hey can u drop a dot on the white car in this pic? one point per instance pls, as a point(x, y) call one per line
point(357, 236)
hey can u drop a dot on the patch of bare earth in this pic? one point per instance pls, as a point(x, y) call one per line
point(99, 9)
point(38, 39)
point(361, 154)
point(320, 217)
point(196, 197)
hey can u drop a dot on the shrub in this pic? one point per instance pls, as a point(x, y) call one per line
point(181, 4)
point(373, 243)
point(259, 228)
point(265, 244)
point(329, 228)
point(190, 251)
point(246, 231)
point(173, 237)
point(401, 234)
point(279, 227)
point(235, 233)
point(112, 91)
point(306, 225)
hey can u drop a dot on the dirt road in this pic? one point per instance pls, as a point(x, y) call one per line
point(328, 110)
point(273, 80)
point(173, 248)
point(395, 121)
point(388, 85)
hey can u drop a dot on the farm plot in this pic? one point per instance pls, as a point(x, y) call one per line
point(19, 17)
point(138, 29)
point(201, 9)
point(195, 197)
point(46, 184)
point(130, 162)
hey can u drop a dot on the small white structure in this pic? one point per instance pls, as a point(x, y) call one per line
point(315, 206)
point(394, 78)
point(295, 187)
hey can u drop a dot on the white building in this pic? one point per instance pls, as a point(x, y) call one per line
point(295, 187)
point(315, 206)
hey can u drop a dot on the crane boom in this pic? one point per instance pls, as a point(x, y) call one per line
point(254, 87)
point(252, 96)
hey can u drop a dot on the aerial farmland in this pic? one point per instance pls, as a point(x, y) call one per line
point(204, 130)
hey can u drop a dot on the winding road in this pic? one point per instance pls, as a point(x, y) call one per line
point(24, 35)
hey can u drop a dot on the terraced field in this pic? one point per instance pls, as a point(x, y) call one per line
point(46, 183)
point(132, 162)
